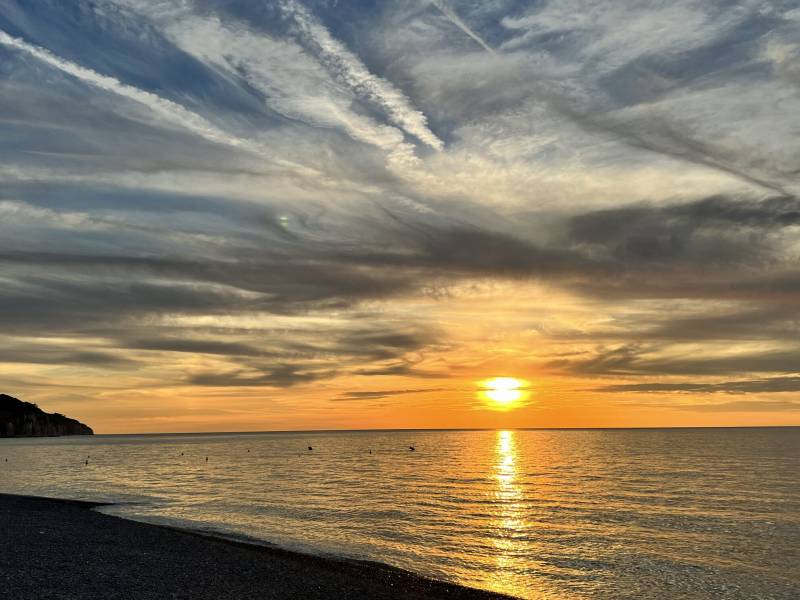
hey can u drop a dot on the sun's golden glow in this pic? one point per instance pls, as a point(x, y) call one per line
point(503, 392)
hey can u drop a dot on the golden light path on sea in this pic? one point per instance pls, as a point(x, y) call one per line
point(510, 517)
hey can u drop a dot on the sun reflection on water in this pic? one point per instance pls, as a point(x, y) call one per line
point(509, 520)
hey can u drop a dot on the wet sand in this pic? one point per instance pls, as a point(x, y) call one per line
point(60, 549)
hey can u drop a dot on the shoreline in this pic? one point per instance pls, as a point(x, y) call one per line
point(62, 548)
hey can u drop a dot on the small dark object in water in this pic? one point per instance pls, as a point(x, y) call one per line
point(412, 448)
point(310, 448)
point(87, 461)
point(206, 459)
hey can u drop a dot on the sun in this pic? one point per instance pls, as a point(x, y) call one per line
point(503, 393)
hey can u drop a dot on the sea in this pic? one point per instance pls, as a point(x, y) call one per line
point(538, 514)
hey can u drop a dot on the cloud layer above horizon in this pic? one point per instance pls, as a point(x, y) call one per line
point(303, 211)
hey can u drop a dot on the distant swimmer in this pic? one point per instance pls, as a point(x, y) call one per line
point(181, 453)
point(370, 451)
point(310, 448)
point(87, 461)
point(206, 459)
point(412, 448)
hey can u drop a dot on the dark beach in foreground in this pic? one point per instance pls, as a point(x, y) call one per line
point(59, 549)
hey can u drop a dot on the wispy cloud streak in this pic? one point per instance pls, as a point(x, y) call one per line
point(350, 68)
point(453, 17)
point(169, 111)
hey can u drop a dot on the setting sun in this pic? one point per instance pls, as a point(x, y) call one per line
point(503, 392)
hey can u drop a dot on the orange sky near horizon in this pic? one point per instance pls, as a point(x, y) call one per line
point(212, 411)
point(443, 391)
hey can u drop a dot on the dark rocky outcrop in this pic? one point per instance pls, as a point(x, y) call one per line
point(23, 419)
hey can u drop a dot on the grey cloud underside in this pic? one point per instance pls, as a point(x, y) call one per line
point(275, 375)
point(644, 251)
point(262, 181)
point(713, 232)
point(638, 360)
point(379, 394)
point(769, 385)
point(639, 251)
point(403, 368)
point(44, 354)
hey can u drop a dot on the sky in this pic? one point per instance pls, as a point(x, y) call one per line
point(228, 215)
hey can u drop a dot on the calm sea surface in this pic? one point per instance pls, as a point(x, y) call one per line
point(704, 513)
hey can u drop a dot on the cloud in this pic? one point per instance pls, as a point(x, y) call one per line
point(453, 17)
point(714, 230)
point(774, 321)
point(277, 376)
point(633, 359)
point(748, 406)
point(405, 368)
point(195, 346)
point(350, 69)
point(378, 394)
point(648, 86)
point(167, 110)
point(293, 82)
point(282, 270)
point(53, 355)
point(754, 386)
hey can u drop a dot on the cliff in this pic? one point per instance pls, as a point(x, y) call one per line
point(23, 419)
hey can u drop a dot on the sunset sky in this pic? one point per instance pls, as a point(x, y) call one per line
point(226, 215)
